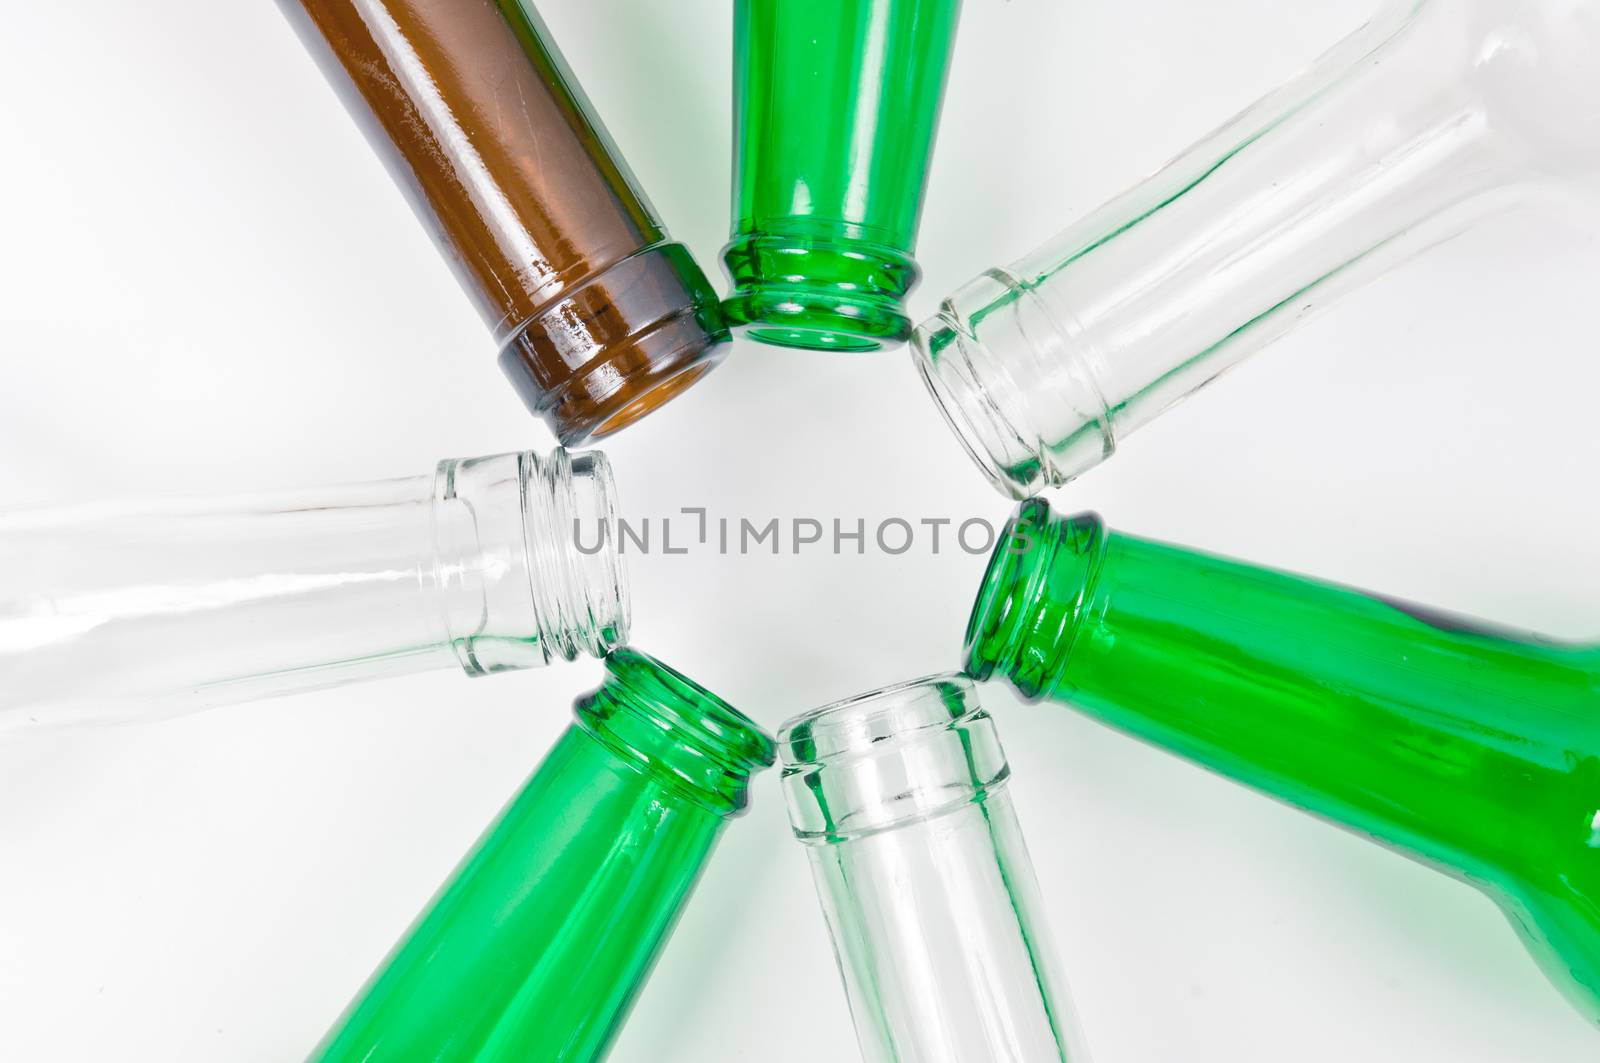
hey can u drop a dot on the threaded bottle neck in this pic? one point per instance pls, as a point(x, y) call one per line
point(1040, 579)
point(888, 759)
point(833, 286)
point(525, 567)
point(580, 591)
point(1015, 384)
point(666, 725)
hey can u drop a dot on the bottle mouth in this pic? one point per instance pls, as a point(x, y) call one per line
point(580, 591)
point(898, 755)
point(618, 345)
point(995, 616)
point(1012, 386)
point(526, 564)
point(667, 725)
point(804, 285)
point(636, 379)
point(666, 387)
point(806, 319)
point(1027, 610)
point(946, 358)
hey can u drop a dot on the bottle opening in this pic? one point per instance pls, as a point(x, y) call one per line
point(617, 345)
point(905, 753)
point(810, 339)
point(568, 498)
point(1028, 607)
point(525, 561)
point(800, 286)
point(1013, 386)
point(667, 725)
point(652, 400)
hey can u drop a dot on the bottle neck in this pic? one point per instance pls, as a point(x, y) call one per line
point(132, 610)
point(1386, 146)
point(664, 724)
point(1432, 733)
point(1040, 579)
point(525, 568)
point(889, 759)
point(835, 115)
point(900, 799)
point(540, 941)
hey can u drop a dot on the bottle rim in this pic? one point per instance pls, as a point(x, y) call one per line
point(581, 597)
point(889, 758)
point(665, 724)
point(859, 724)
point(1025, 616)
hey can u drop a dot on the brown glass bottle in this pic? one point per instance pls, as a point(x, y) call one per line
point(600, 317)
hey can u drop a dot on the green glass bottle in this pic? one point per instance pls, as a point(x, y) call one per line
point(1473, 749)
point(836, 102)
point(537, 945)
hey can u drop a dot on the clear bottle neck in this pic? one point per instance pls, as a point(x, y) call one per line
point(524, 569)
point(900, 798)
point(889, 759)
point(133, 610)
point(1397, 139)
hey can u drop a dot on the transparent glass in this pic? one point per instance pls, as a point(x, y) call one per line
point(599, 315)
point(1433, 114)
point(541, 939)
point(127, 610)
point(900, 797)
point(836, 105)
point(1473, 749)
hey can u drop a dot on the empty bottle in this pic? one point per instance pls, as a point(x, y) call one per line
point(900, 797)
point(1472, 749)
point(541, 939)
point(600, 317)
point(836, 104)
point(1434, 114)
point(123, 610)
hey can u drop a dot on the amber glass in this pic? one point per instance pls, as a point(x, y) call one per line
point(600, 317)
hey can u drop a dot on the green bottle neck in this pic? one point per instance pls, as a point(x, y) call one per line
point(1042, 576)
point(1468, 747)
point(537, 945)
point(669, 727)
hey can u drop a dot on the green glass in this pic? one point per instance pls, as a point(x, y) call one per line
point(539, 942)
point(836, 103)
point(1472, 749)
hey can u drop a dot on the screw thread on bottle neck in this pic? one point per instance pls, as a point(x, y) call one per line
point(580, 596)
point(670, 727)
point(1041, 578)
point(1015, 385)
point(897, 756)
point(525, 559)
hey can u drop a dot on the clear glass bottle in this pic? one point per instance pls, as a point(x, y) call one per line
point(599, 315)
point(1433, 114)
point(1473, 749)
point(900, 797)
point(541, 939)
point(836, 105)
point(133, 609)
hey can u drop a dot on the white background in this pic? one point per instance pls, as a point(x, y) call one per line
point(207, 282)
